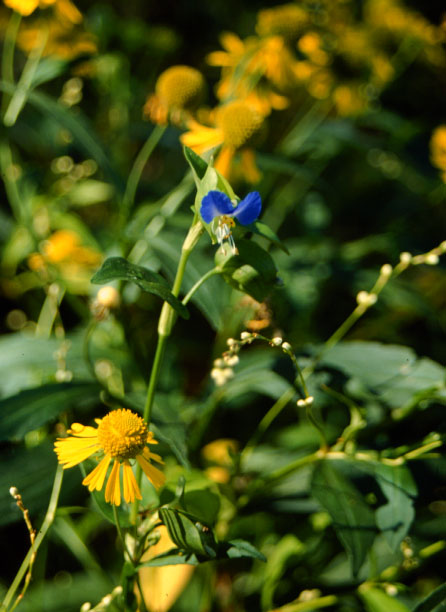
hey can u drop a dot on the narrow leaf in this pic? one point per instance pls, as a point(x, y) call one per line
point(118, 268)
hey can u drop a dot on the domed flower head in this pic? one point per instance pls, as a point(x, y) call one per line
point(121, 437)
point(178, 90)
point(217, 208)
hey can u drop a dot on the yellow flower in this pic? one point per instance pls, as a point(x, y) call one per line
point(177, 89)
point(286, 20)
point(121, 436)
point(64, 8)
point(236, 125)
point(438, 150)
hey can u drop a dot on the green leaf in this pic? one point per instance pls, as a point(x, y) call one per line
point(32, 408)
point(251, 270)
point(175, 556)
point(353, 520)
point(393, 372)
point(118, 268)
point(101, 505)
point(395, 518)
point(208, 183)
point(242, 549)
point(197, 164)
point(203, 504)
point(188, 535)
point(261, 229)
point(433, 600)
point(376, 600)
point(32, 472)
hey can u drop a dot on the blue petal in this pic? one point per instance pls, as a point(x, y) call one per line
point(214, 204)
point(249, 208)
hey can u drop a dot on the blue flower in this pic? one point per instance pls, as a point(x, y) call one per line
point(217, 204)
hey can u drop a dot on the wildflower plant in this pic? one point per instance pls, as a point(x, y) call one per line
point(223, 292)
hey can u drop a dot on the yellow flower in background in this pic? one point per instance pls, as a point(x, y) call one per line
point(236, 126)
point(63, 39)
point(437, 147)
point(162, 586)
point(121, 437)
point(179, 88)
point(65, 246)
point(64, 8)
point(286, 20)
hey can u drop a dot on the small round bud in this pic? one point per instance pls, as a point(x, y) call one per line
point(277, 341)
point(106, 601)
point(231, 360)
point(364, 298)
point(117, 590)
point(405, 257)
point(14, 492)
point(245, 335)
point(108, 297)
point(86, 607)
point(386, 270)
point(301, 403)
point(219, 363)
point(287, 346)
point(391, 590)
point(432, 259)
point(309, 400)
point(231, 342)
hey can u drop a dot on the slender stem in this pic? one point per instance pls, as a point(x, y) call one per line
point(24, 85)
point(121, 534)
point(165, 324)
point(198, 284)
point(138, 166)
point(269, 417)
point(49, 518)
point(8, 54)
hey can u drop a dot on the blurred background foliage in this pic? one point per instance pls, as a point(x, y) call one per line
point(346, 143)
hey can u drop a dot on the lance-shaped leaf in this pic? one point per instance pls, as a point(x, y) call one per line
point(353, 520)
point(197, 163)
point(118, 268)
point(251, 270)
point(191, 537)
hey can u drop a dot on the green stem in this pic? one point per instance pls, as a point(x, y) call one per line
point(138, 166)
point(165, 324)
point(8, 55)
point(121, 534)
point(49, 518)
point(24, 85)
point(198, 284)
point(10, 182)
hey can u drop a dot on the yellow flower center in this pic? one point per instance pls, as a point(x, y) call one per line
point(180, 87)
point(122, 434)
point(286, 21)
point(239, 122)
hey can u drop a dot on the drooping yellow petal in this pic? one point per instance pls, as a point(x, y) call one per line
point(95, 479)
point(155, 476)
point(71, 451)
point(149, 455)
point(113, 488)
point(201, 138)
point(131, 489)
point(67, 10)
point(24, 7)
point(224, 159)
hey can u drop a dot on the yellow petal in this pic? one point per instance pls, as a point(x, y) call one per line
point(202, 139)
point(83, 431)
point(131, 489)
point(149, 455)
point(113, 488)
point(71, 451)
point(95, 479)
point(161, 586)
point(155, 476)
point(223, 162)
